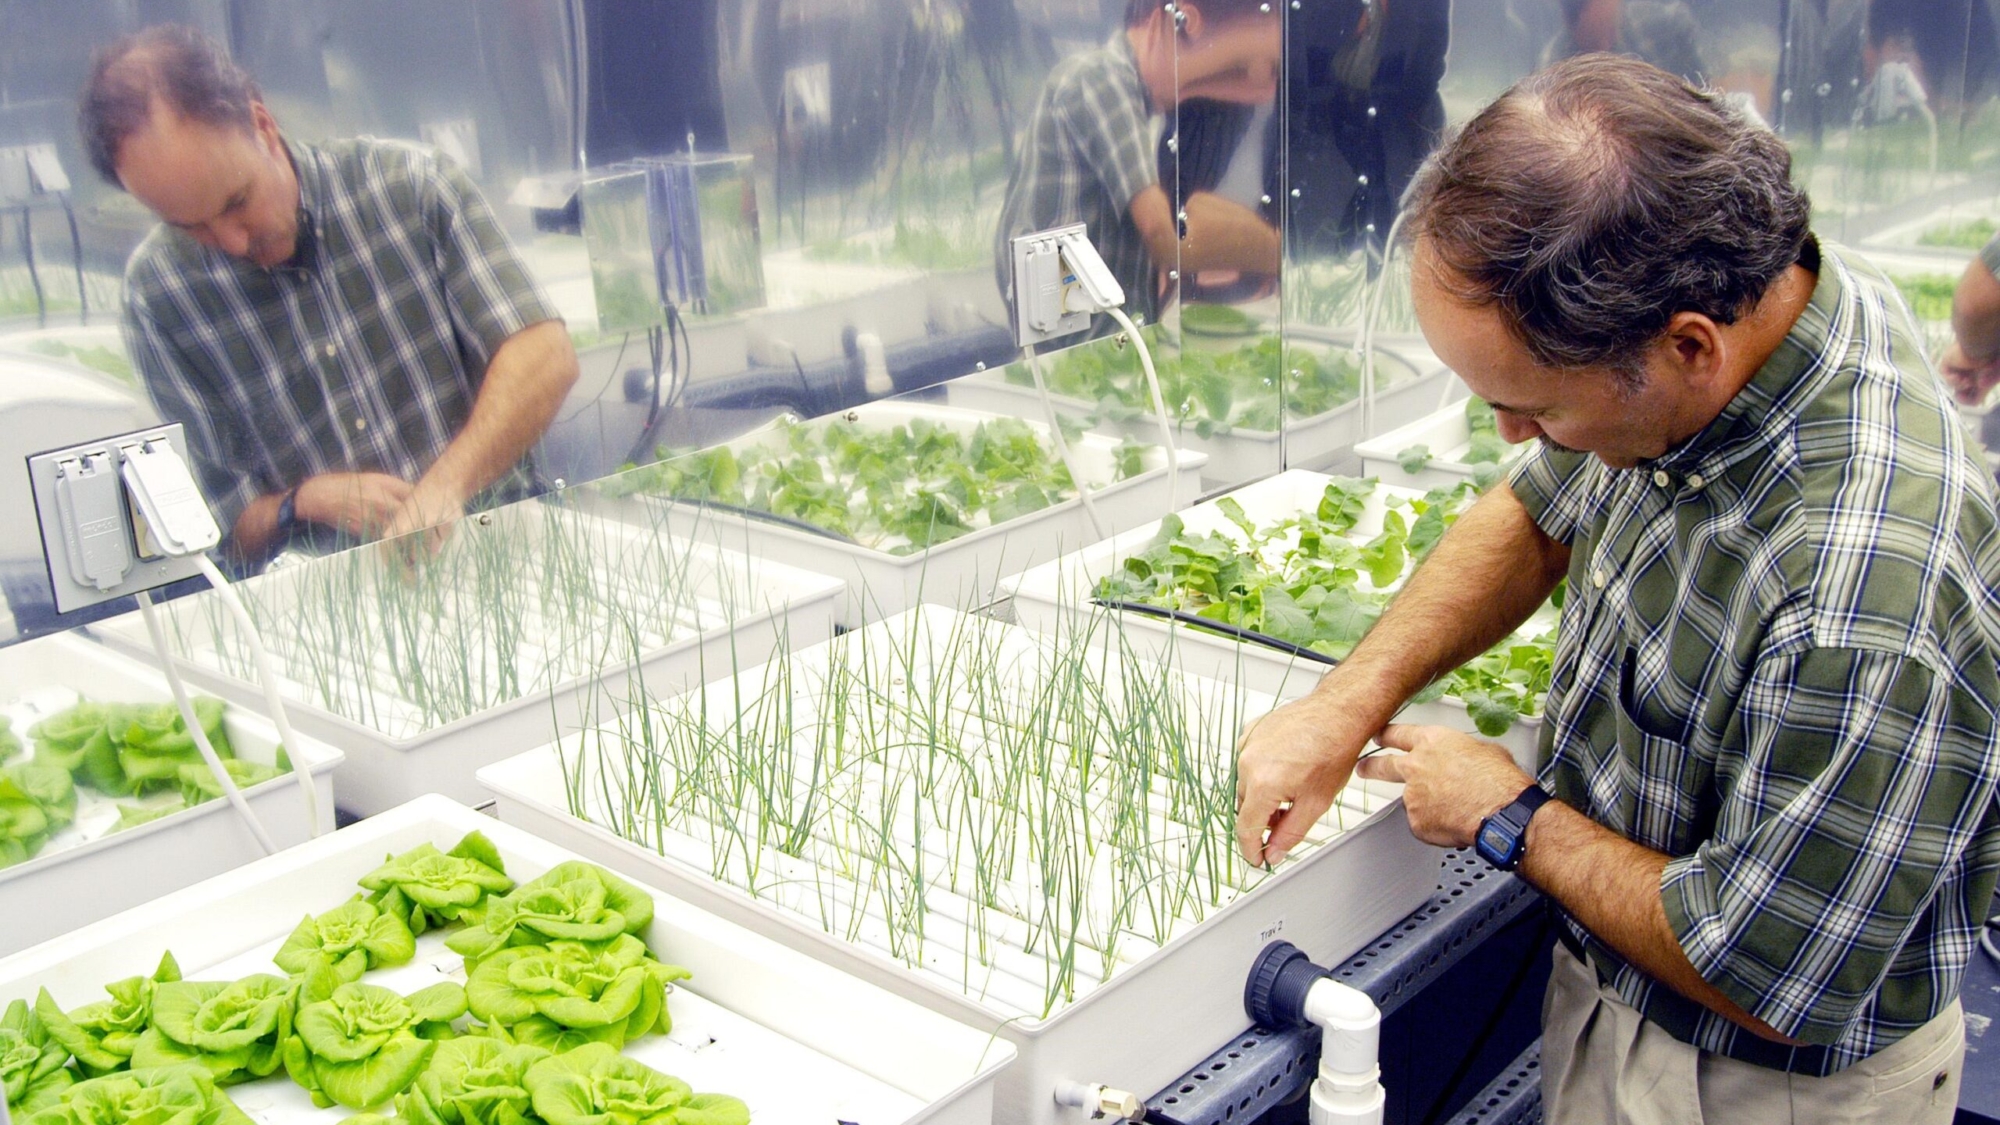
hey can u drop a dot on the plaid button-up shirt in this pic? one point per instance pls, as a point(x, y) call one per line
point(362, 353)
point(1088, 150)
point(1776, 665)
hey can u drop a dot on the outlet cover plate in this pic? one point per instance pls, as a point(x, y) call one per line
point(1038, 288)
point(150, 570)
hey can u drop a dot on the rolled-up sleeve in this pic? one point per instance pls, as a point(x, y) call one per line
point(1870, 774)
point(489, 290)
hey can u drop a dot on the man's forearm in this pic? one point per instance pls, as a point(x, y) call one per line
point(1612, 886)
point(524, 386)
point(1975, 313)
point(1492, 570)
point(255, 535)
point(1224, 235)
point(1221, 234)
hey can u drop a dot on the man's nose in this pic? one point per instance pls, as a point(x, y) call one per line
point(231, 238)
point(1514, 428)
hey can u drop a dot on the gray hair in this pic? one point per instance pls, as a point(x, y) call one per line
point(1596, 199)
point(188, 71)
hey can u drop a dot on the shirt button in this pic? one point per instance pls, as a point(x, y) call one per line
point(329, 351)
point(1695, 481)
point(361, 423)
point(1661, 478)
point(1597, 579)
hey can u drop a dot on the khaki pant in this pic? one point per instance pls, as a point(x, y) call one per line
point(1603, 1063)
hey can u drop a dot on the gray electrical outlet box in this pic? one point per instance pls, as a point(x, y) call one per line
point(1039, 278)
point(96, 541)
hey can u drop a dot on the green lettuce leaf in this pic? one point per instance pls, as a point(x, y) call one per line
point(427, 888)
point(595, 1085)
point(102, 1035)
point(31, 1060)
point(348, 940)
point(234, 1029)
point(574, 901)
point(363, 1045)
point(172, 1095)
point(198, 782)
point(10, 743)
point(615, 984)
point(472, 1081)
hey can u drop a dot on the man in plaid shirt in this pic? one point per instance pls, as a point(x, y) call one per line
point(1088, 156)
point(1771, 737)
point(344, 329)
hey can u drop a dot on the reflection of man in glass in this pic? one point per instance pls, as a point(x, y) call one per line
point(1088, 156)
point(343, 328)
point(1663, 32)
point(1971, 365)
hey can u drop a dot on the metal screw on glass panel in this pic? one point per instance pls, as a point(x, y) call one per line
point(1371, 111)
point(979, 365)
point(1264, 199)
point(1295, 5)
point(1295, 193)
point(1173, 275)
point(1264, 8)
point(1173, 144)
point(560, 484)
point(1785, 96)
point(1362, 180)
point(1824, 89)
point(1369, 227)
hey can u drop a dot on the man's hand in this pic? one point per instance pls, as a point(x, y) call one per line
point(1969, 379)
point(1290, 764)
point(431, 508)
point(1451, 780)
point(359, 504)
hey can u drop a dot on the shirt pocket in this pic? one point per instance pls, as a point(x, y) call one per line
point(1662, 774)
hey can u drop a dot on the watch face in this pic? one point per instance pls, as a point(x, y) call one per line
point(1497, 845)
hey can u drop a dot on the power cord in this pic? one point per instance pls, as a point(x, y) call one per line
point(151, 615)
point(1062, 446)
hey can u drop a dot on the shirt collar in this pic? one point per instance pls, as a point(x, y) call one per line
point(305, 167)
point(1793, 376)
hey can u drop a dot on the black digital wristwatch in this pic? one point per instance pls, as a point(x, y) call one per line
point(1502, 838)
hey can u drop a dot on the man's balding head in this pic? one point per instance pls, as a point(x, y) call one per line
point(169, 118)
point(169, 68)
point(1597, 198)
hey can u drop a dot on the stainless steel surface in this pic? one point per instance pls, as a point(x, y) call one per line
point(874, 142)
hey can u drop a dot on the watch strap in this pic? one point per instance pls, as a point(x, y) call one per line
point(288, 511)
point(1502, 837)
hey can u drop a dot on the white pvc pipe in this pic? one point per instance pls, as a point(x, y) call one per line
point(1348, 1089)
point(1159, 407)
point(268, 676)
point(229, 790)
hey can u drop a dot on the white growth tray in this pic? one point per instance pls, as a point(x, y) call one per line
point(1447, 433)
point(1112, 907)
point(87, 871)
point(1316, 442)
point(801, 1043)
point(529, 623)
point(957, 572)
point(1050, 596)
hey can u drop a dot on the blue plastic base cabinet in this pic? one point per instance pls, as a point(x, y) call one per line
point(1460, 986)
point(1979, 1096)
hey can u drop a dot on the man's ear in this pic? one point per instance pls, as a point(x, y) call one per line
point(1191, 21)
point(266, 127)
point(1695, 348)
